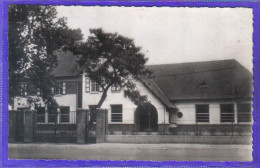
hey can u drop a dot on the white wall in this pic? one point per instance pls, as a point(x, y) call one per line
point(62, 100)
point(67, 100)
point(128, 106)
point(189, 111)
point(21, 102)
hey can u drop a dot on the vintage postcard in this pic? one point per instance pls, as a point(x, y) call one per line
point(131, 83)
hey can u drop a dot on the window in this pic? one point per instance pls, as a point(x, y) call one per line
point(115, 88)
point(179, 114)
point(60, 88)
point(116, 113)
point(202, 113)
point(52, 117)
point(93, 114)
point(41, 114)
point(244, 112)
point(94, 86)
point(65, 114)
point(23, 88)
point(227, 112)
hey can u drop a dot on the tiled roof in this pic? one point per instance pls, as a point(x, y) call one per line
point(67, 65)
point(203, 80)
point(185, 81)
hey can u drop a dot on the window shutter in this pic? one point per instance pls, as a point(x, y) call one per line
point(87, 85)
point(64, 88)
point(38, 92)
point(25, 89)
point(52, 90)
point(100, 89)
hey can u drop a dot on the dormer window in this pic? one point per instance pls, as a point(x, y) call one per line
point(203, 84)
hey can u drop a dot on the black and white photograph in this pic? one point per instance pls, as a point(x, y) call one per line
point(130, 83)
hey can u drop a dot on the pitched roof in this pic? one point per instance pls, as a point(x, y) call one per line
point(149, 83)
point(67, 65)
point(203, 80)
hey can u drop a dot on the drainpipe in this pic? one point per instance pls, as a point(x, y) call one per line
point(164, 121)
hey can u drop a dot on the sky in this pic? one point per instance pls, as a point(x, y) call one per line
point(171, 34)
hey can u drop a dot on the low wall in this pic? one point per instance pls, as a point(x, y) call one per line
point(213, 129)
point(179, 139)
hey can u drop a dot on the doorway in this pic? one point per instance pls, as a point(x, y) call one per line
point(146, 118)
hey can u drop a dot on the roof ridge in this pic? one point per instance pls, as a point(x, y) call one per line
point(195, 72)
point(193, 62)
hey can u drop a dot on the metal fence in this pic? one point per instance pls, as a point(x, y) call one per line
point(55, 132)
point(54, 128)
point(158, 122)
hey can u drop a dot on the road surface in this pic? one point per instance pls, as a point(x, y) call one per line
point(113, 151)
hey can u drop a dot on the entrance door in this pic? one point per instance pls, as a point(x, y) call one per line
point(146, 118)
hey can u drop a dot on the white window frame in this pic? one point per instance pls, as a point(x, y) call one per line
point(64, 114)
point(94, 87)
point(199, 113)
point(115, 88)
point(116, 113)
point(60, 88)
point(234, 113)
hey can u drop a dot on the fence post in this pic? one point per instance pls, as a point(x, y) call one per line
point(28, 125)
point(12, 132)
point(106, 121)
point(81, 120)
point(232, 129)
point(101, 125)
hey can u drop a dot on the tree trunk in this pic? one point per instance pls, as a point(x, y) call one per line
point(102, 99)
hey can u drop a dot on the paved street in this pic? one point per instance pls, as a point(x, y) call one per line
point(108, 151)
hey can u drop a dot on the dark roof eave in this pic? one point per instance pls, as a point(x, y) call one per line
point(162, 97)
point(216, 98)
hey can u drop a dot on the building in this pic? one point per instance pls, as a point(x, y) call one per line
point(200, 98)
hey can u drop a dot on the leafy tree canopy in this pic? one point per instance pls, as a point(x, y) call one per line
point(112, 59)
point(35, 33)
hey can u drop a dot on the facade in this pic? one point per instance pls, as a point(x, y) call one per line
point(203, 98)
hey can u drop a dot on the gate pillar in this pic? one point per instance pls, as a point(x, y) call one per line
point(101, 125)
point(28, 126)
point(12, 131)
point(81, 120)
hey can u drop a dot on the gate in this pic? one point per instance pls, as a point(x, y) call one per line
point(57, 133)
point(20, 126)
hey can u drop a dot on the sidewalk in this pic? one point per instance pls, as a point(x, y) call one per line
point(115, 151)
